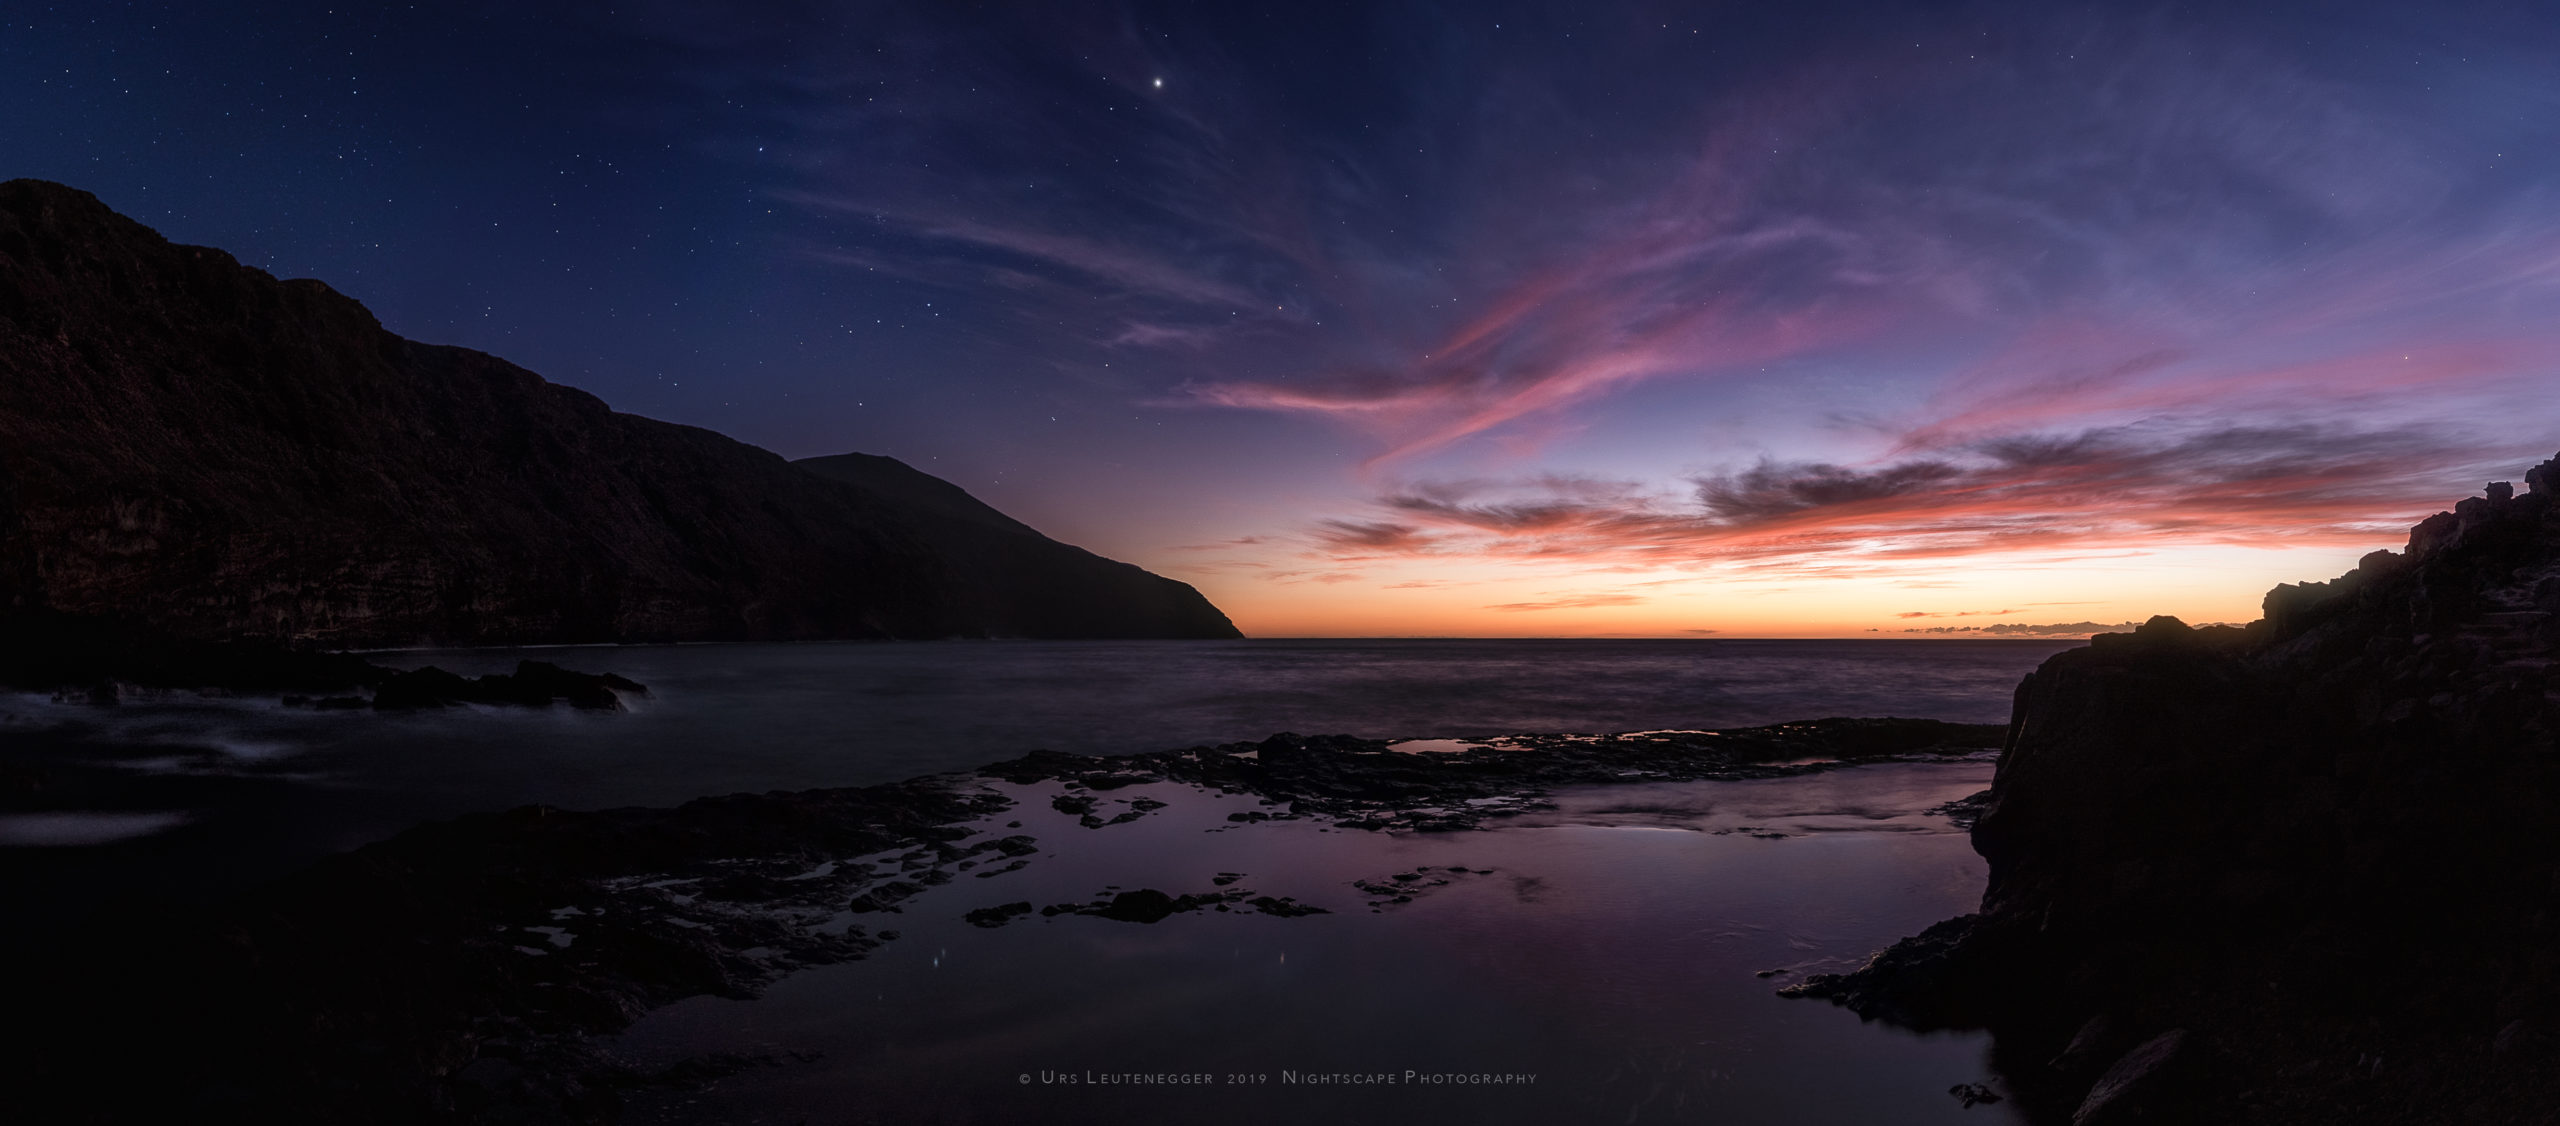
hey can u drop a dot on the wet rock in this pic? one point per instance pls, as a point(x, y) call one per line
point(2144, 1086)
point(1145, 905)
point(998, 915)
point(541, 682)
point(886, 897)
point(1929, 981)
point(103, 694)
point(1285, 907)
point(1111, 781)
point(429, 687)
point(1964, 812)
point(1973, 1095)
point(2087, 1046)
point(1365, 784)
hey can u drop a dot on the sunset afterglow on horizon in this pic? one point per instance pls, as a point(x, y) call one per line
point(1629, 319)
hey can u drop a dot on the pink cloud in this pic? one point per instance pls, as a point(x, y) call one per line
point(2116, 490)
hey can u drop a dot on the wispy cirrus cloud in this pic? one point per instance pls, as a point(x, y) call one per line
point(1065, 258)
point(2197, 244)
point(1569, 602)
point(2094, 216)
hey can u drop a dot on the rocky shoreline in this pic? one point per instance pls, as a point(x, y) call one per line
point(465, 971)
point(103, 660)
point(2302, 872)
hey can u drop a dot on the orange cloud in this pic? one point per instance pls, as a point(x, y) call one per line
point(2105, 490)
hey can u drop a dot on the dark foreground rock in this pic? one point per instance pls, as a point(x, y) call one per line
point(460, 971)
point(2305, 871)
point(53, 652)
point(1367, 784)
point(198, 447)
point(101, 660)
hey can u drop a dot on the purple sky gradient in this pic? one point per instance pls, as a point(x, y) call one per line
point(1388, 318)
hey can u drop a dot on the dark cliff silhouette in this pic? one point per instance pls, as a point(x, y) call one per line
point(191, 446)
point(1052, 589)
point(2303, 871)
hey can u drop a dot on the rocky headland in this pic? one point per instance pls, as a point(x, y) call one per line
point(2305, 871)
point(193, 450)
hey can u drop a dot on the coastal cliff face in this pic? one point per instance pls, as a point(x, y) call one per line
point(2305, 871)
point(189, 444)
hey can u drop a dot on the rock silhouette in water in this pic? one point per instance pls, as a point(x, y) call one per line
point(191, 446)
point(2299, 872)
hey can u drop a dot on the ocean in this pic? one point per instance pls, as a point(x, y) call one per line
point(753, 718)
point(1660, 905)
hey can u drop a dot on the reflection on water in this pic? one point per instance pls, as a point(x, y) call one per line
point(1612, 948)
point(1436, 746)
point(268, 787)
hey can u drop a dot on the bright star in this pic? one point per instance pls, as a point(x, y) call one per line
point(1159, 84)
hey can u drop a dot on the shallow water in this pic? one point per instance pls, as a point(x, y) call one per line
point(240, 790)
point(1612, 952)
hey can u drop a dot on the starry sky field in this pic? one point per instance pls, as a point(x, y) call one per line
point(1487, 319)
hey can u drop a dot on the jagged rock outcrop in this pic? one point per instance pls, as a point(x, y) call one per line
point(190, 445)
point(2324, 849)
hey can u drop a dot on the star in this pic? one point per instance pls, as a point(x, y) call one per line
point(1159, 84)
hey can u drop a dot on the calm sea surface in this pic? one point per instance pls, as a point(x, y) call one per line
point(1607, 957)
point(214, 792)
point(1612, 947)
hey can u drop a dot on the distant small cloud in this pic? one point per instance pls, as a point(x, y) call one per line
point(2056, 630)
point(1357, 535)
point(1575, 602)
point(1327, 577)
point(1222, 545)
point(1139, 334)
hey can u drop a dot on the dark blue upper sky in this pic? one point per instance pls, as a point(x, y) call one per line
point(1389, 316)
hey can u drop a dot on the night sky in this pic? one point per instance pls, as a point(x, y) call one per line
point(1470, 318)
